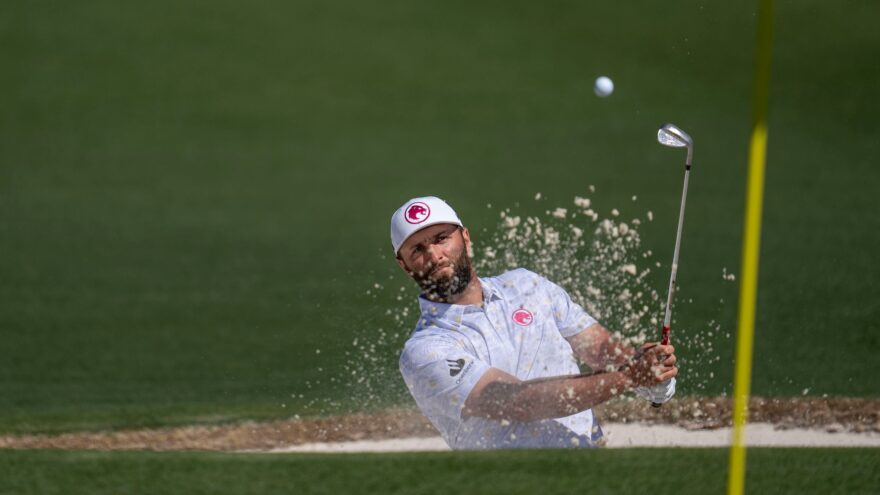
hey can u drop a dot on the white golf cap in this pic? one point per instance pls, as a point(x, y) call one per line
point(416, 214)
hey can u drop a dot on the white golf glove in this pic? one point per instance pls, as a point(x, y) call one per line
point(658, 394)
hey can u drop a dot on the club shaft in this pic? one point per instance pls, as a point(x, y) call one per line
point(667, 318)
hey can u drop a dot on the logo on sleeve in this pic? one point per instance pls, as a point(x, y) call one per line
point(455, 366)
point(417, 212)
point(523, 317)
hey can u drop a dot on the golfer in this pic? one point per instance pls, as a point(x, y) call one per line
point(493, 362)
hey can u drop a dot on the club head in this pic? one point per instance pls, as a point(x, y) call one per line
point(671, 135)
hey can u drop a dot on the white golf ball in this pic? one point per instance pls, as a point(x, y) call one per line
point(603, 86)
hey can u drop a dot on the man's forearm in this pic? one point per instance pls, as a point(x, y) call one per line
point(598, 348)
point(616, 353)
point(548, 398)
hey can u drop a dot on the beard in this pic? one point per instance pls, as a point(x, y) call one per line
point(441, 288)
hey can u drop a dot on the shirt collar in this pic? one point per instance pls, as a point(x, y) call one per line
point(490, 292)
point(454, 312)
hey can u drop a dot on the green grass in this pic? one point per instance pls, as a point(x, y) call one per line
point(194, 197)
point(660, 471)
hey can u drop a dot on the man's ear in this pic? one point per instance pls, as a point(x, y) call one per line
point(402, 264)
point(465, 233)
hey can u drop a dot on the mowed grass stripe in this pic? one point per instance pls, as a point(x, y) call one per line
point(658, 471)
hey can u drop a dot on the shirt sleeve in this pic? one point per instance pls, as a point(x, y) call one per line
point(571, 319)
point(440, 375)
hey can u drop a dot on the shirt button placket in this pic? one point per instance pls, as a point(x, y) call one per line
point(499, 322)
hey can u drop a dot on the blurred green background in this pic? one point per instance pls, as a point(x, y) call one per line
point(194, 196)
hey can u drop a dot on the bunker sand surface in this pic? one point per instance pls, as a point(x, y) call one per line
point(620, 435)
point(689, 414)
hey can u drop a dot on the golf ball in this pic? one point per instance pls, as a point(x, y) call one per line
point(603, 86)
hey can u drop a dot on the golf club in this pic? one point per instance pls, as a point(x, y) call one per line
point(671, 135)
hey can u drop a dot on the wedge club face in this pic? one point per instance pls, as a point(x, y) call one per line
point(672, 135)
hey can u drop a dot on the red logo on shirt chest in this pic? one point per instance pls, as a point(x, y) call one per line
point(523, 317)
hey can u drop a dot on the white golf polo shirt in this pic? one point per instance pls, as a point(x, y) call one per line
point(520, 329)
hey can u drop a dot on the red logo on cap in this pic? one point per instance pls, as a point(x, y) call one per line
point(417, 212)
point(522, 317)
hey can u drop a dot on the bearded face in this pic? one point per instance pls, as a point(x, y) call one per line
point(439, 261)
point(440, 283)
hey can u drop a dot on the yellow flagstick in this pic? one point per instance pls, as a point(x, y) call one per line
point(751, 247)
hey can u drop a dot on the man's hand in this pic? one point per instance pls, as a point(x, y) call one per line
point(653, 364)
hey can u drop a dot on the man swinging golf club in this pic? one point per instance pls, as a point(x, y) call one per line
point(493, 362)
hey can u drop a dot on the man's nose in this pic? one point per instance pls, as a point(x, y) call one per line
point(434, 253)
